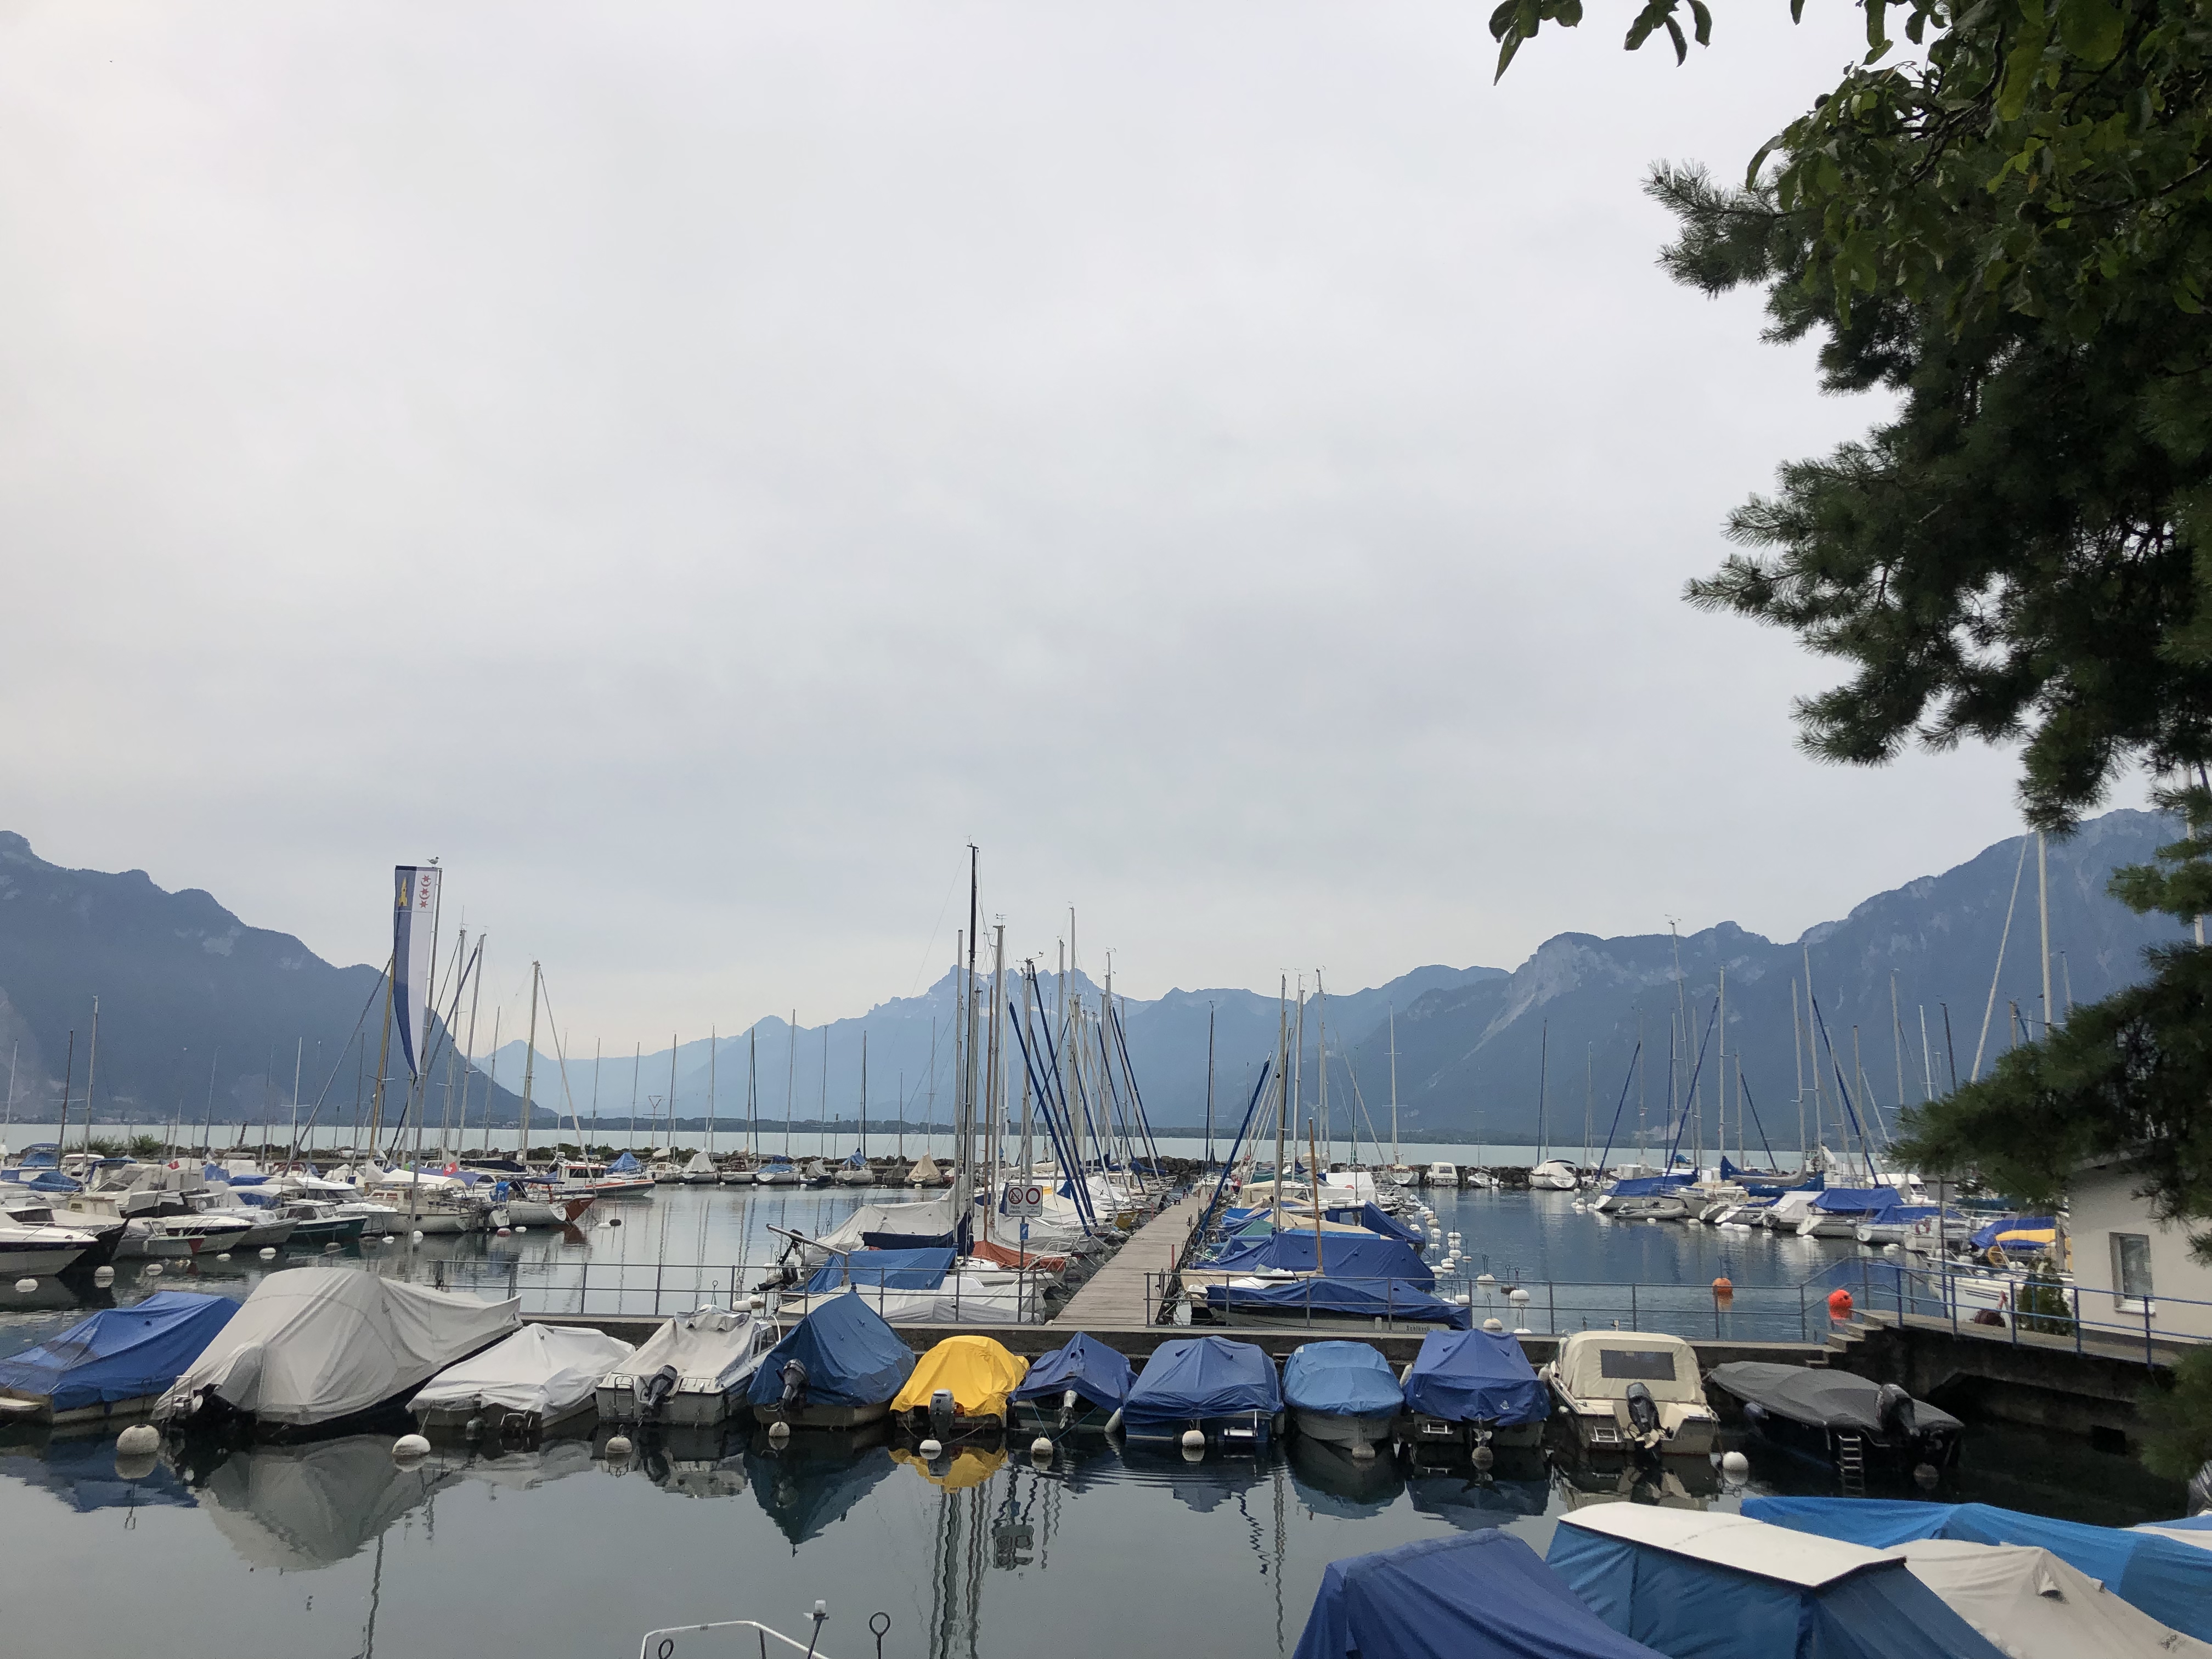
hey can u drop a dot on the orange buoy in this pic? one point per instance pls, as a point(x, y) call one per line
point(1723, 1289)
point(1839, 1304)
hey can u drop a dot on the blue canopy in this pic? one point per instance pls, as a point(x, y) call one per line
point(1483, 1595)
point(1085, 1364)
point(1985, 1236)
point(1859, 1201)
point(2171, 1581)
point(1647, 1186)
point(1393, 1300)
point(1772, 1187)
point(120, 1354)
point(896, 1270)
point(1373, 1219)
point(1343, 1255)
point(1341, 1379)
point(1470, 1376)
point(624, 1165)
point(1682, 1602)
point(852, 1357)
point(51, 1180)
point(1203, 1376)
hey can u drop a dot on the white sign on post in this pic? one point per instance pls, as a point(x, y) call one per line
point(1025, 1200)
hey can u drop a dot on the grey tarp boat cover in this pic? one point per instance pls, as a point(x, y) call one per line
point(2034, 1605)
point(311, 1344)
point(1819, 1399)
point(549, 1370)
point(713, 1349)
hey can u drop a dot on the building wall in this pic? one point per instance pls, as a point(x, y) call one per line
point(2101, 1204)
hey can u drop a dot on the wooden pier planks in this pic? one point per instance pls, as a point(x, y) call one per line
point(1116, 1297)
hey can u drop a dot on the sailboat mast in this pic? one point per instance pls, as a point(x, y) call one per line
point(1282, 1081)
point(1320, 1063)
point(1395, 1158)
point(752, 1094)
point(713, 1054)
point(1029, 1156)
point(1209, 1088)
point(672, 1094)
point(864, 1095)
point(299, 1056)
point(995, 1094)
point(91, 1069)
point(1543, 1087)
point(2042, 909)
point(790, 1082)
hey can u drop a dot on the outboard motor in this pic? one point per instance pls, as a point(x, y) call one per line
point(1892, 1409)
point(795, 1384)
point(1068, 1398)
point(2200, 1489)
point(653, 1391)
point(1643, 1417)
point(940, 1414)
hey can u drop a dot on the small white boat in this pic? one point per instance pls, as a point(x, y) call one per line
point(854, 1172)
point(169, 1237)
point(736, 1177)
point(701, 1171)
point(1555, 1174)
point(30, 1252)
point(925, 1173)
point(1440, 1175)
point(776, 1172)
point(541, 1376)
point(693, 1370)
point(1633, 1391)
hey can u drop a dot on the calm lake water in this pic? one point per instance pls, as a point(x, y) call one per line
point(333, 1550)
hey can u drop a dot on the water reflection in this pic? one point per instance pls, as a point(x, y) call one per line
point(300, 1508)
point(1516, 1485)
point(83, 1471)
point(1330, 1480)
point(814, 1478)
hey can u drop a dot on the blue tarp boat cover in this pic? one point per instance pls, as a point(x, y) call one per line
point(1768, 1184)
point(1395, 1300)
point(1859, 1201)
point(120, 1354)
point(1720, 1587)
point(1371, 1217)
point(1648, 1186)
point(896, 1270)
point(2037, 1230)
point(1483, 1595)
point(1341, 1379)
point(1085, 1365)
point(624, 1165)
point(1343, 1255)
point(1203, 1376)
point(2171, 1581)
point(852, 1357)
point(1468, 1376)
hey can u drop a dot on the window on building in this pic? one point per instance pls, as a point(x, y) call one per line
point(2131, 1266)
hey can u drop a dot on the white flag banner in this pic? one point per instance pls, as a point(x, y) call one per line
point(414, 940)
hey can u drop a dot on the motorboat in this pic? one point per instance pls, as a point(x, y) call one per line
point(1633, 1391)
point(2034, 1604)
point(1473, 1388)
point(1788, 1211)
point(1313, 1301)
point(1836, 1418)
point(701, 1171)
point(928, 1286)
point(34, 1251)
point(1225, 1391)
point(665, 1172)
point(625, 1178)
point(1659, 1207)
point(266, 1229)
point(170, 1238)
point(34, 1210)
point(1401, 1176)
point(694, 1369)
point(1726, 1586)
point(1342, 1393)
point(316, 1349)
point(1353, 1257)
point(1555, 1174)
point(959, 1388)
point(736, 1175)
point(537, 1379)
point(839, 1368)
point(432, 1204)
point(1080, 1385)
point(1840, 1211)
point(1440, 1175)
point(115, 1364)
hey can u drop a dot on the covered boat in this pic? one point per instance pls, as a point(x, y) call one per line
point(2034, 1605)
point(1840, 1211)
point(929, 1223)
point(1342, 1393)
point(1371, 1217)
point(973, 1374)
point(694, 1369)
point(2026, 1235)
point(2172, 1582)
point(1225, 1390)
point(1480, 1595)
point(541, 1376)
point(928, 1286)
point(1353, 1257)
point(839, 1367)
point(1726, 1587)
point(1634, 1391)
point(1474, 1388)
point(315, 1350)
point(1839, 1418)
point(1299, 1304)
point(116, 1363)
point(1079, 1385)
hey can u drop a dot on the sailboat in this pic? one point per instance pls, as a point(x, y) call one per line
point(926, 1173)
point(701, 1171)
point(1400, 1173)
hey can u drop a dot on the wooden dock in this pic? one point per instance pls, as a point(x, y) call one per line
point(1118, 1297)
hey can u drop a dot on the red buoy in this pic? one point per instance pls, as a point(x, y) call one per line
point(1723, 1288)
point(1839, 1304)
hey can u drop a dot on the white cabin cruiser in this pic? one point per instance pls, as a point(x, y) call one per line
point(1633, 1391)
point(32, 1251)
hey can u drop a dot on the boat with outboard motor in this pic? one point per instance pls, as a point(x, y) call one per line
point(1081, 1385)
point(1473, 1388)
point(1226, 1392)
point(537, 1379)
point(1342, 1393)
point(31, 1251)
point(1633, 1391)
point(839, 1368)
point(694, 1369)
point(960, 1388)
point(1836, 1418)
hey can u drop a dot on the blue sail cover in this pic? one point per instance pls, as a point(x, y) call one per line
point(1341, 1379)
point(1484, 1595)
point(2171, 1581)
point(1343, 1255)
point(1681, 1604)
point(1770, 1186)
point(2042, 1230)
point(624, 1165)
point(1653, 1186)
point(1203, 1376)
point(1393, 1300)
point(895, 1270)
point(1475, 1376)
point(1372, 1218)
point(852, 1357)
point(1859, 1201)
point(120, 1354)
point(1085, 1364)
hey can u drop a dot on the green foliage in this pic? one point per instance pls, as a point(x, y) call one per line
point(146, 1145)
point(104, 1147)
point(2178, 1420)
point(2040, 1304)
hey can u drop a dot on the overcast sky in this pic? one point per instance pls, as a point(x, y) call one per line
point(693, 468)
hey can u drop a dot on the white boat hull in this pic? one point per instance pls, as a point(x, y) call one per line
point(39, 1260)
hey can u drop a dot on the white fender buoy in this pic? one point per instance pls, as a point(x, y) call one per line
point(778, 1430)
point(138, 1440)
point(931, 1448)
point(1193, 1440)
point(222, 1255)
point(619, 1446)
point(25, 1286)
point(151, 1270)
point(1523, 1330)
point(522, 1230)
point(103, 1275)
point(417, 1235)
point(1735, 1465)
point(1483, 1457)
point(268, 1252)
point(1363, 1451)
point(1041, 1447)
point(332, 1245)
point(1517, 1296)
point(410, 1445)
point(1493, 1325)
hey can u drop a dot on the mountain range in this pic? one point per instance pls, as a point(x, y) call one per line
point(1588, 1039)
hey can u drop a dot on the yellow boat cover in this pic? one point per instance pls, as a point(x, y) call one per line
point(980, 1372)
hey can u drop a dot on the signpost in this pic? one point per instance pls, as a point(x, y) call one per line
point(1024, 1201)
